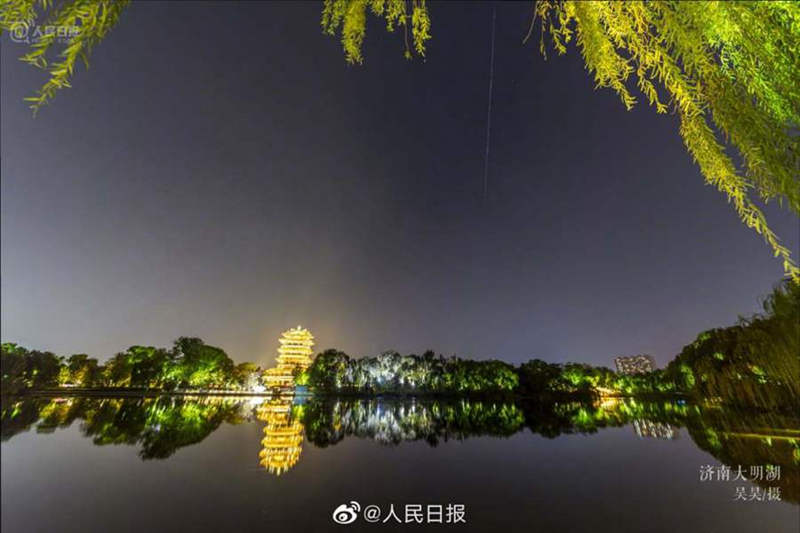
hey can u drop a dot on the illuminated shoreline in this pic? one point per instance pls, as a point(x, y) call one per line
point(130, 392)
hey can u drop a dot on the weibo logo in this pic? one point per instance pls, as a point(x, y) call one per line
point(346, 513)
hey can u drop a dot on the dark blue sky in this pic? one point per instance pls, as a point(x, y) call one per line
point(221, 172)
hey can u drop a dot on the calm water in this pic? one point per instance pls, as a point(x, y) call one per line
point(284, 465)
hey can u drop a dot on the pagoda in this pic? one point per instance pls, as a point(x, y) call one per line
point(294, 353)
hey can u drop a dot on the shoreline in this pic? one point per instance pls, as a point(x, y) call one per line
point(149, 393)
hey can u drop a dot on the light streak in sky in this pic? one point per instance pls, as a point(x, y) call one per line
point(489, 110)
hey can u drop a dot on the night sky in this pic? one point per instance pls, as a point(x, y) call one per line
point(221, 172)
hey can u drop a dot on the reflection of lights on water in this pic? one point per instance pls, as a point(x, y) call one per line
point(648, 428)
point(283, 437)
point(254, 401)
point(609, 402)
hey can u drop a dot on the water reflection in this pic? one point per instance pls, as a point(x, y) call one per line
point(648, 428)
point(393, 422)
point(158, 426)
point(283, 435)
point(161, 426)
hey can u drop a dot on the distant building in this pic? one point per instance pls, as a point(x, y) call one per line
point(635, 364)
point(294, 354)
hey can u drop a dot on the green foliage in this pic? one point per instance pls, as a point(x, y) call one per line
point(117, 371)
point(328, 369)
point(729, 70)
point(43, 368)
point(139, 366)
point(750, 437)
point(13, 365)
point(196, 364)
point(301, 379)
point(147, 365)
point(61, 33)
point(329, 421)
point(246, 375)
point(335, 371)
point(551, 380)
point(25, 369)
point(755, 363)
point(348, 18)
point(190, 364)
point(82, 370)
point(391, 372)
point(158, 426)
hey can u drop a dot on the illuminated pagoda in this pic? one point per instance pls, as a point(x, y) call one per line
point(283, 437)
point(294, 353)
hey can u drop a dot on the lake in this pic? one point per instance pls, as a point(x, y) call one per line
point(286, 464)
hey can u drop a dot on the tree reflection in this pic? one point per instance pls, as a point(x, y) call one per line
point(391, 422)
point(161, 426)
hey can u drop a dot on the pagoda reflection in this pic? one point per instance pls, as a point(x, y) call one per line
point(283, 435)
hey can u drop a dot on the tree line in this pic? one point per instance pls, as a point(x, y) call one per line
point(392, 373)
point(753, 363)
point(189, 364)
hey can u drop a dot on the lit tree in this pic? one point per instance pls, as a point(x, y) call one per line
point(82, 370)
point(247, 375)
